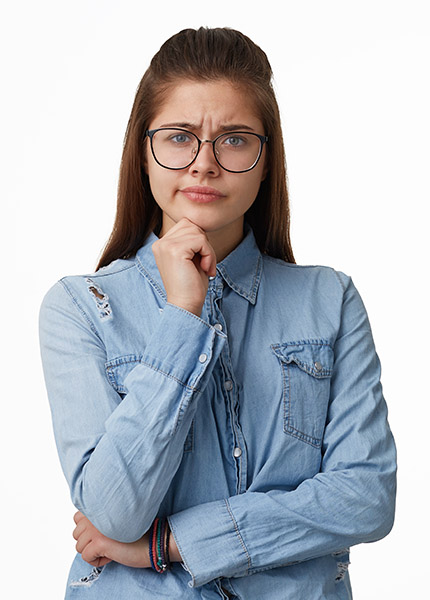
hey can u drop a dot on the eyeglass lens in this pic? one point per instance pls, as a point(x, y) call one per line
point(177, 149)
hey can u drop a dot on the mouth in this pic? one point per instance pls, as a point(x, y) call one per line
point(202, 194)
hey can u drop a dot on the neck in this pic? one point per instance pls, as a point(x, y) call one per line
point(224, 242)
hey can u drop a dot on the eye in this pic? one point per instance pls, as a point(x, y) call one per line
point(234, 141)
point(180, 138)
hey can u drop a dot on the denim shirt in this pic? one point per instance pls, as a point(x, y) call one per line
point(259, 428)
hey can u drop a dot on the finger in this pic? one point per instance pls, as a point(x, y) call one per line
point(82, 524)
point(78, 516)
point(103, 561)
point(208, 265)
point(92, 552)
point(83, 541)
point(183, 224)
point(100, 562)
point(78, 530)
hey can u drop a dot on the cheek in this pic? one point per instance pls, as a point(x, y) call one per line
point(254, 183)
point(163, 183)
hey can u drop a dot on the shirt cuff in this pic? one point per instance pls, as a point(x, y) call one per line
point(183, 346)
point(218, 550)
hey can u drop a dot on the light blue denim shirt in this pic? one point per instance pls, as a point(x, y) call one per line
point(259, 429)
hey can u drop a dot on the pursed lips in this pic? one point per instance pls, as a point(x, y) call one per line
point(200, 193)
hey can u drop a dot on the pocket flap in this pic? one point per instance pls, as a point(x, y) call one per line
point(315, 357)
point(117, 370)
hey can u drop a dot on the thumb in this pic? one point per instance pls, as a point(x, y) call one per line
point(208, 265)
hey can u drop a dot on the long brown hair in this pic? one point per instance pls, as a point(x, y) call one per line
point(202, 54)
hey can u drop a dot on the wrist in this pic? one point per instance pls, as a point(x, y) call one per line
point(191, 308)
point(159, 534)
point(175, 555)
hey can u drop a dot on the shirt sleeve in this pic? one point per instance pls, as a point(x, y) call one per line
point(351, 500)
point(119, 455)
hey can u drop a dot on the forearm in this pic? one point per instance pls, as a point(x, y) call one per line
point(351, 500)
point(120, 456)
point(144, 438)
point(255, 531)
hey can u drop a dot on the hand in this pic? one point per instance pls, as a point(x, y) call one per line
point(98, 550)
point(185, 259)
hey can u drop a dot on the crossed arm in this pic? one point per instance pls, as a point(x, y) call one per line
point(357, 475)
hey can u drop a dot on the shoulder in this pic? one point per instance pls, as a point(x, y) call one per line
point(304, 276)
point(90, 293)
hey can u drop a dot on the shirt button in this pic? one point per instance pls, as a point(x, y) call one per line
point(237, 452)
point(218, 326)
point(318, 366)
point(228, 385)
point(203, 358)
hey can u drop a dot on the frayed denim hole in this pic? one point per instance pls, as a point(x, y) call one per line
point(101, 299)
point(88, 580)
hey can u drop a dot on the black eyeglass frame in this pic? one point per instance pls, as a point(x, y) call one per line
point(263, 140)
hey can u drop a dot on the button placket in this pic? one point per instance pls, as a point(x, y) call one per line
point(238, 452)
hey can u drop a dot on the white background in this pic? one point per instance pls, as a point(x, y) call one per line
point(353, 84)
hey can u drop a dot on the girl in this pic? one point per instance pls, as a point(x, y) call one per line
point(217, 408)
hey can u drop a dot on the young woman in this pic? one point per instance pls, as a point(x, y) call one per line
point(217, 408)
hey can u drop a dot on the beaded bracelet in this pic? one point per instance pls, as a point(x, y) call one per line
point(159, 535)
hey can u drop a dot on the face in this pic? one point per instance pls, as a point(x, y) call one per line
point(207, 109)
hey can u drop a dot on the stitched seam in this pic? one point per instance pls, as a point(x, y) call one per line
point(239, 535)
point(289, 429)
point(289, 396)
point(189, 440)
point(100, 274)
point(185, 385)
point(303, 437)
point(280, 261)
point(172, 529)
point(81, 310)
point(197, 318)
point(239, 290)
point(311, 342)
point(111, 364)
point(340, 281)
point(256, 280)
point(151, 280)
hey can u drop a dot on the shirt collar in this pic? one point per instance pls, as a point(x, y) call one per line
point(241, 269)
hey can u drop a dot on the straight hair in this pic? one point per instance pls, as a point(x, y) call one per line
point(201, 55)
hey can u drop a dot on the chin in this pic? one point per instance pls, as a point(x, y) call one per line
point(208, 222)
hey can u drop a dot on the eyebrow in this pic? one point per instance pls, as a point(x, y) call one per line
point(227, 127)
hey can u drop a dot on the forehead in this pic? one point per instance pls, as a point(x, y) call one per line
point(207, 104)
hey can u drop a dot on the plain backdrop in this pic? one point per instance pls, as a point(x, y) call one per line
point(352, 80)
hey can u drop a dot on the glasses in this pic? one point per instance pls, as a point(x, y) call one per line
point(236, 151)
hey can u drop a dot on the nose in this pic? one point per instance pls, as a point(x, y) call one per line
point(205, 162)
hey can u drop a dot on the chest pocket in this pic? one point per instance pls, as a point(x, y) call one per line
point(306, 370)
point(117, 370)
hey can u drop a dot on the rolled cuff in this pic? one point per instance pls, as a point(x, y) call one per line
point(205, 556)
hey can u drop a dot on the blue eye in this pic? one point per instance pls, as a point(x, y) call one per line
point(234, 141)
point(180, 138)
